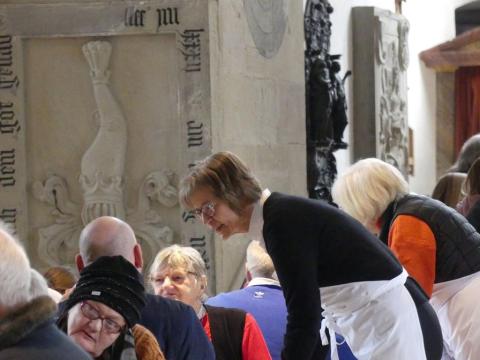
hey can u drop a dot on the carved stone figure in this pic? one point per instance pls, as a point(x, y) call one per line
point(104, 161)
point(102, 172)
point(325, 99)
point(321, 96)
point(324, 171)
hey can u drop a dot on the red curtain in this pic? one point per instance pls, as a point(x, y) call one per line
point(467, 104)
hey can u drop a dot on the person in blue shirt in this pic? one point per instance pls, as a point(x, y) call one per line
point(262, 297)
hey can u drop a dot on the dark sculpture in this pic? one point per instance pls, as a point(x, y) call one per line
point(325, 101)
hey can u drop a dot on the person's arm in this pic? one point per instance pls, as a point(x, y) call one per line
point(413, 242)
point(253, 342)
point(146, 346)
point(294, 254)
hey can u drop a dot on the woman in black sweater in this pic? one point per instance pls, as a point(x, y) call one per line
point(325, 260)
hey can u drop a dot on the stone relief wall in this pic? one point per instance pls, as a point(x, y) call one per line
point(108, 107)
point(188, 77)
point(380, 109)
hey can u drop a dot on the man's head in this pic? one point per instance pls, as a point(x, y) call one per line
point(259, 263)
point(108, 236)
point(15, 275)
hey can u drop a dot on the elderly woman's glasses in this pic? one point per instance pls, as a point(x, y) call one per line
point(177, 277)
point(109, 325)
point(207, 210)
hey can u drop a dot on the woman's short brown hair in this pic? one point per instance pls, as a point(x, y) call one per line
point(226, 176)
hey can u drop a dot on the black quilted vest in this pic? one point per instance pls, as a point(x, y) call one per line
point(457, 242)
point(227, 329)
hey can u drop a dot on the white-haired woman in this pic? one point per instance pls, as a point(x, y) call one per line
point(437, 246)
point(179, 273)
point(323, 258)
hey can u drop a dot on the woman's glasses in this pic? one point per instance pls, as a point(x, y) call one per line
point(206, 211)
point(176, 277)
point(109, 325)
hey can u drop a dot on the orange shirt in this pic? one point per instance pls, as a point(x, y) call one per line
point(413, 242)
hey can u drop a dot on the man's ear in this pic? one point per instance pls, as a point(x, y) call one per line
point(79, 262)
point(137, 257)
point(249, 276)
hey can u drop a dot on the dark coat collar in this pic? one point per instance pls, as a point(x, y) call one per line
point(386, 221)
point(22, 321)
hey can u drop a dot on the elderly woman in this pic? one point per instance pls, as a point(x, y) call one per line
point(101, 313)
point(179, 273)
point(437, 246)
point(324, 259)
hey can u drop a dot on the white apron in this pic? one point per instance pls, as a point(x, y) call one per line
point(457, 304)
point(378, 320)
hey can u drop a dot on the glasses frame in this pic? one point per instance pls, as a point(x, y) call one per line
point(155, 280)
point(206, 211)
point(105, 320)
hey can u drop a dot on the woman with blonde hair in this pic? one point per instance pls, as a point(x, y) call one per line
point(436, 245)
point(179, 273)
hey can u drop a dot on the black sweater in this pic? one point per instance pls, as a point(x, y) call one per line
point(312, 245)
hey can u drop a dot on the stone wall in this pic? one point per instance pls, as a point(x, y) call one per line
point(115, 101)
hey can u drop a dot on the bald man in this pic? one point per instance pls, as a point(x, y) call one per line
point(174, 324)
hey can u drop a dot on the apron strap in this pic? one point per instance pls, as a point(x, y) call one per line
point(327, 323)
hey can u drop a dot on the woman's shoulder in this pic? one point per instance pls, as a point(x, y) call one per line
point(146, 345)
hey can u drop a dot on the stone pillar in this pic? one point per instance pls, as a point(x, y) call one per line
point(258, 102)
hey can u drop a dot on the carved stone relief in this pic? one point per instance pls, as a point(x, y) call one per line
point(102, 168)
point(381, 117)
point(392, 62)
point(102, 177)
point(267, 21)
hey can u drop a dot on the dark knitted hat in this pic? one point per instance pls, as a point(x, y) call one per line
point(115, 282)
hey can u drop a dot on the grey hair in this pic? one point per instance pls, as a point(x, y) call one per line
point(15, 275)
point(259, 263)
point(176, 256)
point(183, 257)
point(38, 285)
point(366, 189)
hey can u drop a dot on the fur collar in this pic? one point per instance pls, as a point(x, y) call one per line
point(19, 323)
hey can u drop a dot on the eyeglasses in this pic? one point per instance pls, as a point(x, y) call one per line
point(207, 210)
point(177, 277)
point(109, 325)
